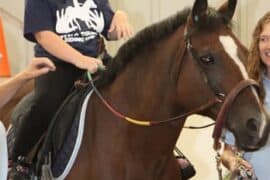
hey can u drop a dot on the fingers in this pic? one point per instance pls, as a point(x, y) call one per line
point(40, 72)
point(39, 66)
point(127, 32)
point(245, 163)
point(93, 67)
point(112, 28)
point(96, 65)
point(100, 64)
point(120, 27)
point(124, 31)
point(40, 63)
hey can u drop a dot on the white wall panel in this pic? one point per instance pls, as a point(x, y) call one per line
point(18, 49)
point(254, 10)
point(140, 12)
point(196, 144)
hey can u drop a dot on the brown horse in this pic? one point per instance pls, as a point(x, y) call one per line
point(190, 63)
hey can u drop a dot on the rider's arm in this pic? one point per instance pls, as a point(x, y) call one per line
point(56, 46)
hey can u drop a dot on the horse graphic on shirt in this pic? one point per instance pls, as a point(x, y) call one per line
point(80, 16)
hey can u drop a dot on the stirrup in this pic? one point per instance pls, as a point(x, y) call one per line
point(20, 170)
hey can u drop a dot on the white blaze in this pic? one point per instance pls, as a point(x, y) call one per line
point(231, 48)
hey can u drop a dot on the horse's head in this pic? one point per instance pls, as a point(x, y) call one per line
point(216, 59)
point(186, 63)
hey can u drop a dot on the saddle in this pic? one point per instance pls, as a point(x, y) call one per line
point(54, 141)
point(64, 123)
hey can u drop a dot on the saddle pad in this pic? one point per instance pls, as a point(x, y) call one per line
point(65, 158)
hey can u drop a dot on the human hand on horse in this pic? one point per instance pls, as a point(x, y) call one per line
point(37, 67)
point(120, 27)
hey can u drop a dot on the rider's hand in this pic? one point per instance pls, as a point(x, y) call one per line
point(120, 27)
point(38, 66)
point(89, 63)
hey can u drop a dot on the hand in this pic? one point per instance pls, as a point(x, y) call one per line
point(89, 63)
point(120, 27)
point(37, 67)
point(230, 160)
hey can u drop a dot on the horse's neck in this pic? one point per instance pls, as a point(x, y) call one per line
point(146, 87)
point(141, 91)
point(145, 91)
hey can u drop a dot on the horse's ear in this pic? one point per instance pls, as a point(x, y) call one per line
point(228, 8)
point(199, 10)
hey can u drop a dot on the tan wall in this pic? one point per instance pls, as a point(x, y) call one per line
point(141, 13)
point(196, 144)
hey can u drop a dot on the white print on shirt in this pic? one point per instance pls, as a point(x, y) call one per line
point(83, 17)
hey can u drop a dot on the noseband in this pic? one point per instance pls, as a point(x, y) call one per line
point(230, 98)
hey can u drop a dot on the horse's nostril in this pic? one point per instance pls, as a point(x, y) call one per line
point(251, 124)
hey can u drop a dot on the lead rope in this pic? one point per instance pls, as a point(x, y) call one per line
point(241, 172)
point(218, 164)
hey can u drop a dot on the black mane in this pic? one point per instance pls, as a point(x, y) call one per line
point(150, 35)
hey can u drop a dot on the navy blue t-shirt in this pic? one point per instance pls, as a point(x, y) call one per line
point(77, 22)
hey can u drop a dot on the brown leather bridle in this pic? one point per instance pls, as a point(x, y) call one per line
point(227, 100)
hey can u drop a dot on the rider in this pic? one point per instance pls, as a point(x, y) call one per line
point(69, 33)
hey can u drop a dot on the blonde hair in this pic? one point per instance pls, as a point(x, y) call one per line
point(255, 65)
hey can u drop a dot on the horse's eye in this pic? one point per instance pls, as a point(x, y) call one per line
point(207, 59)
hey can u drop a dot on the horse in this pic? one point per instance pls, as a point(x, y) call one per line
point(189, 63)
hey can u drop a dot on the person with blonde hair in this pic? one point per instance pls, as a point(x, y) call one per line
point(258, 69)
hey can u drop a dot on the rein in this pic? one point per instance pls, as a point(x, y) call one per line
point(222, 112)
point(147, 122)
point(209, 104)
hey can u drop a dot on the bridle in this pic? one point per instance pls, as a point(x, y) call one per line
point(227, 100)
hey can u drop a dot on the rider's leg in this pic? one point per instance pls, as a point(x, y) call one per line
point(50, 90)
